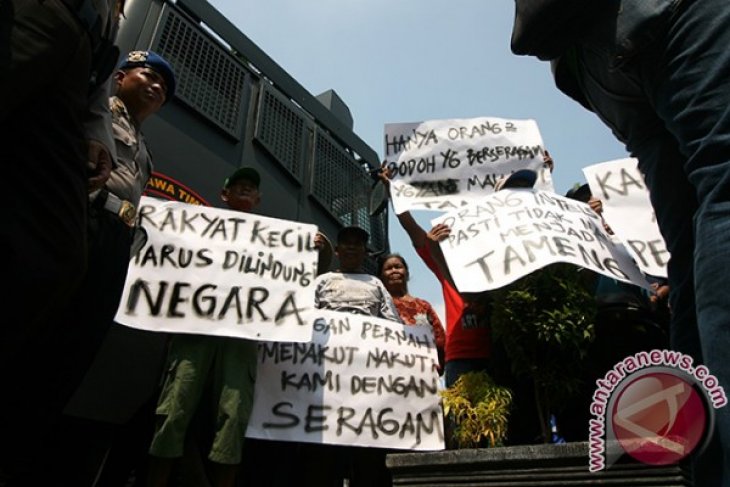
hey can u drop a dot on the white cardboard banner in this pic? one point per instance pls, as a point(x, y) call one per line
point(512, 233)
point(362, 381)
point(628, 211)
point(445, 164)
point(213, 271)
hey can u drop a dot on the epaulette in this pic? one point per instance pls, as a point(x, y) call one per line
point(116, 106)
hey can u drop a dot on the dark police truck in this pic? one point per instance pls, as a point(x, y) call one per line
point(233, 106)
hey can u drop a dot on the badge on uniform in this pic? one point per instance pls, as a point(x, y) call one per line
point(137, 56)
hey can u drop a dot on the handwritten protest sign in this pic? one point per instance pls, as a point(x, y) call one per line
point(361, 381)
point(220, 272)
point(446, 164)
point(514, 232)
point(627, 209)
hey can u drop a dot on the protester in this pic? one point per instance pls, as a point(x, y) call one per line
point(628, 319)
point(620, 304)
point(658, 76)
point(393, 272)
point(258, 451)
point(349, 289)
point(467, 344)
point(191, 359)
point(49, 63)
point(230, 365)
point(525, 426)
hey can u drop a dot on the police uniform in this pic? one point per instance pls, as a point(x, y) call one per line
point(134, 163)
point(111, 231)
point(112, 217)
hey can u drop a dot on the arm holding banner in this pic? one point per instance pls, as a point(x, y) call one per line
point(409, 224)
point(434, 237)
point(547, 160)
point(325, 251)
point(413, 229)
point(419, 237)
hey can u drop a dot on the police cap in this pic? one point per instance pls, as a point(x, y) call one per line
point(152, 60)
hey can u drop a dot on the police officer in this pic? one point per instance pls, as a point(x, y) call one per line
point(144, 82)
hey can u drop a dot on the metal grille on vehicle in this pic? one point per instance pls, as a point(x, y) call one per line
point(280, 129)
point(209, 79)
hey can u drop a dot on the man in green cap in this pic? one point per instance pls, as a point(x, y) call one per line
point(190, 360)
point(233, 361)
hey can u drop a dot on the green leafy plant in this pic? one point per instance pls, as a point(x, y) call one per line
point(479, 410)
point(545, 324)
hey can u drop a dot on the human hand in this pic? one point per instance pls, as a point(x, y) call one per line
point(660, 292)
point(547, 160)
point(606, 227)
point(439, 232)
point(324, 252)
point(99, 164)
point(320, 241)
point(596, 205)
point(385, 175)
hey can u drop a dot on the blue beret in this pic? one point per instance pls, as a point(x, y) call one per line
point(523, 178)
point(149, 59)
point(528, 176)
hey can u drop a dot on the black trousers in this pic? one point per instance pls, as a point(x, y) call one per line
point(64, 355)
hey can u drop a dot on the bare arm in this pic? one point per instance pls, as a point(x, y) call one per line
point(419, 237)
point(434, 237)
point(409, 224)
point(325, 251)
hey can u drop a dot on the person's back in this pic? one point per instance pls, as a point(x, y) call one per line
point(46, 64)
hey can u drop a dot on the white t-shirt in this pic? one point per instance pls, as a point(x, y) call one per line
point(354, 293)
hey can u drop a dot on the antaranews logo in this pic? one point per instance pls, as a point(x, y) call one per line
point(654, 406)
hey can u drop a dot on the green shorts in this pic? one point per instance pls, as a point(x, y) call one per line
point(191, 360)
